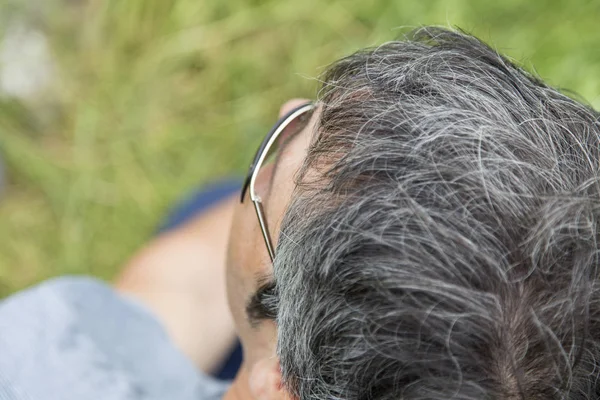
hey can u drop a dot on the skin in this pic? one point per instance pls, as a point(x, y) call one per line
point(198, 279)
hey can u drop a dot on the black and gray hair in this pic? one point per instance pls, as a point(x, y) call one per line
point(443, 240)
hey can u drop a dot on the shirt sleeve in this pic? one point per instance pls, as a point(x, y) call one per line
point(76, 338)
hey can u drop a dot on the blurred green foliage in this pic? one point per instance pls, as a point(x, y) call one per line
point(151, 98)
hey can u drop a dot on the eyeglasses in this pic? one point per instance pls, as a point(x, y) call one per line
point(285, 129)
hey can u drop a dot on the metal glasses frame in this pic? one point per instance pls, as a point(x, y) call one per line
point(259, 158)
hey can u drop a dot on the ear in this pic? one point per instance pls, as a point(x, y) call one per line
point(265, 381)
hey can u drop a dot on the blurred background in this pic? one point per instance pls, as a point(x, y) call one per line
point(111, 110)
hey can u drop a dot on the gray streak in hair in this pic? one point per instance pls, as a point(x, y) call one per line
point(448, 217)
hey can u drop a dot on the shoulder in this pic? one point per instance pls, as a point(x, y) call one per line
point(74, 338)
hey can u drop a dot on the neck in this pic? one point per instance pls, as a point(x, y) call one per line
point(239, 389)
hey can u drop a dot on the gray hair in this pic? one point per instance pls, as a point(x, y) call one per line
point(443, 238)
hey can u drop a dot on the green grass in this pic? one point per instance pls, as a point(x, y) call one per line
point(153, 97)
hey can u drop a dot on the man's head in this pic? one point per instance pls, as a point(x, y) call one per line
point(436, 228)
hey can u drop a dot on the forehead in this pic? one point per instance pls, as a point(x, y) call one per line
point(280, 135)
point(297, 156)
point(289, 169)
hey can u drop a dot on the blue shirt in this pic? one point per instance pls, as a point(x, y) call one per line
point(76, 338)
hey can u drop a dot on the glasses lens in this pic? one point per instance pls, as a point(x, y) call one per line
point(265, 173)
